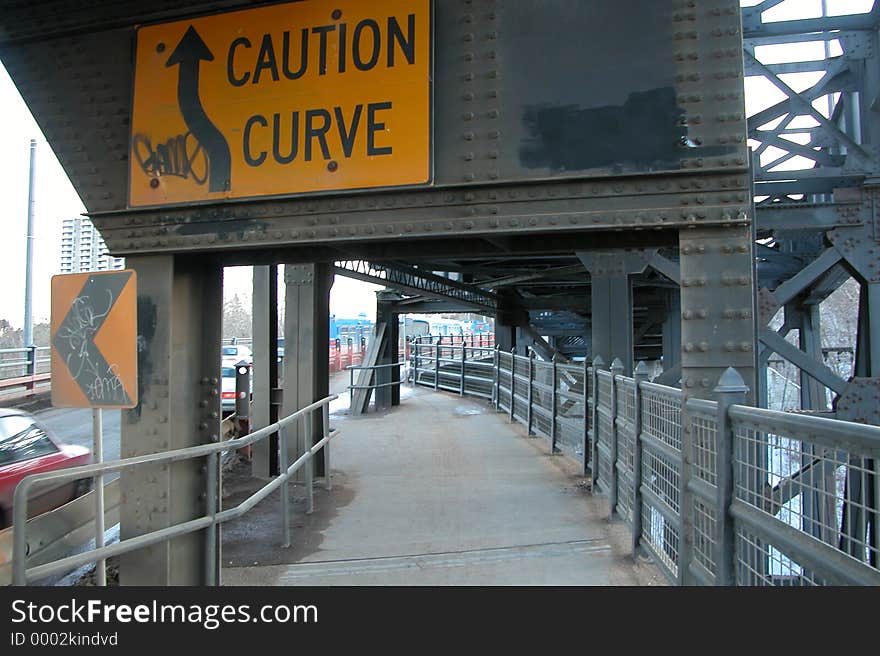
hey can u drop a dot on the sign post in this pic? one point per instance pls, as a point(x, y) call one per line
point(94, 357)
point(98, 451)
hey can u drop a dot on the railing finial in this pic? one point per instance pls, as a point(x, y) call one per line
point(730, 381)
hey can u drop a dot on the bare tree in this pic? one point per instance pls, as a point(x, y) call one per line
point(237, 321)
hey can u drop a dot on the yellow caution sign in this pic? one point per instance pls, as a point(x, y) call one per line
point(94, 340)
point(286, 99)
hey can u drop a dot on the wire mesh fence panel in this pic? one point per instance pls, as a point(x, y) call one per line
point(604, 384)
point(505, 367)
point(704, 435)
point(603, 448)
point(590, 412)
point(660, 509)
point(661, 473)
point(570, 436)
point(661, 414)
point(521, 388)
point(604, 423)
point(704, 537)
point(626, 445)
point(824, 486)
point(660, 538)
point(626, 398)
point(542, 398)
point(758, 566)
point(570, 410)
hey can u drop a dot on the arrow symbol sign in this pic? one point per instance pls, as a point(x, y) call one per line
point(188, 55)
point(75, 340)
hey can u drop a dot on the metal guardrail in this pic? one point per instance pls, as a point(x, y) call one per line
point(23, 367)
point(770, 498)
point(56, 533)
point(21, 574)
point(372, 386)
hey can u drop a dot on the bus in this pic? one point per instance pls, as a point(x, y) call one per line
point(410, 327)
point(358, 329)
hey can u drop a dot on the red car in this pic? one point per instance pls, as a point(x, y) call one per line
point(28, 447)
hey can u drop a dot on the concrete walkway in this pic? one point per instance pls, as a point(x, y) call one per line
point(439, 491)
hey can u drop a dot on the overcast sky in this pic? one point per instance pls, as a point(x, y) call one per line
point(56, 198)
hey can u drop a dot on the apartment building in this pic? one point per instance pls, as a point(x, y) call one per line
point(83, 249)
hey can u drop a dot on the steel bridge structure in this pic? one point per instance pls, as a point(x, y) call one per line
point(691, 203)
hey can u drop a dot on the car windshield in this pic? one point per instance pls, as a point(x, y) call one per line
point(22, 439)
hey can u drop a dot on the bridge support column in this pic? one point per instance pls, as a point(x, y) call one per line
point(611, 303)
point(505, 336)
point(524, 341)
point(179, 321)
point(718, 330)
point(387, 396)
point(306, 344)
point(264, 456)
point(508, 317)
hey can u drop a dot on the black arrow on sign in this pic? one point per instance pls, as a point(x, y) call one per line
point(75, 339)
point(188, 54)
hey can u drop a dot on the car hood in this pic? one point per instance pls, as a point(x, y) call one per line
point(75, 451)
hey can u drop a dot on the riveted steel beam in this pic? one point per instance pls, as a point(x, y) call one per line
point(417, 282)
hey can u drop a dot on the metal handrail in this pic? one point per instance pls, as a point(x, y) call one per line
point(353, 367)
point(24, 371)
point(21, 574)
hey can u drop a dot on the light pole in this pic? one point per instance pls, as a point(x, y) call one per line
point(29, 262)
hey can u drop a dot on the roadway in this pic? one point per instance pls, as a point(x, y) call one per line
point(74, 426)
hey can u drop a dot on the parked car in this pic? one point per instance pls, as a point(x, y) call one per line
point(28, 447)
point(236, 352)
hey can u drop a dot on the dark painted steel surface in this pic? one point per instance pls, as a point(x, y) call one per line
point(515, 134)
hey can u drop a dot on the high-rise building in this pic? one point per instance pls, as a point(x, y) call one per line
point(83, 249)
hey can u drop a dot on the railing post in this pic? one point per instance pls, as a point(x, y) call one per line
point(437, 364)
point(285, 487)
point(512, 381)
point(463, 363)
point(212, 467)
point(328, 485)
point(31, 366)
point(351, 389)
point(731, 390)
point(616, 370)
point(309, 464)
point(640, 375)
point(496, 376)
point(414, 374)
point(531, 391)
point(553, 404)
point(598, 363)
